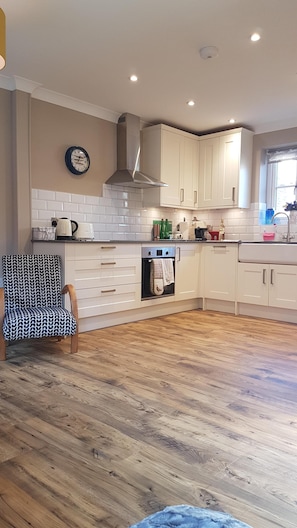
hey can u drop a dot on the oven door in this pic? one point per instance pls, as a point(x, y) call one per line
point(149, 289)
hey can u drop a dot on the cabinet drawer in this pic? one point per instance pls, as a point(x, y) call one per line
point(109, 299)
point(94, 273)
point(96, 250)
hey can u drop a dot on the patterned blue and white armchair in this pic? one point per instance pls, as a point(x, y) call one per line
point(31, 303)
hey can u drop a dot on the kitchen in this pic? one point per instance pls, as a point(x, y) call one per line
point(38, 124)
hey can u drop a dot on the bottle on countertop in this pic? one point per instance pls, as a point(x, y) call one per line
point(156, 231)
point(222, 230)
point(166, 229)
point(268, 216)
point(162, 229)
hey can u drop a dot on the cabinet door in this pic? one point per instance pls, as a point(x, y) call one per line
point(171, 163)
point(187, 264)
point(229, 159)
point(208, 172)
point(283, 286)
point(189, 174)
point(220, 267)
point(253, 283)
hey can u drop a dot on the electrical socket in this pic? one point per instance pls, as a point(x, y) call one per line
point(54, 219)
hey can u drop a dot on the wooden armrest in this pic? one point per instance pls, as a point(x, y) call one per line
point(69, 288)
point(1, 306)
point(2, 340)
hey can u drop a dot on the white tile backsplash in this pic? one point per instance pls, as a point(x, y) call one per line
point(119, 214)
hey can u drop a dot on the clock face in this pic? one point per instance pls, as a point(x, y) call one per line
point(77, 160)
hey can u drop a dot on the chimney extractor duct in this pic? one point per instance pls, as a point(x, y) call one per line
point(128, 152)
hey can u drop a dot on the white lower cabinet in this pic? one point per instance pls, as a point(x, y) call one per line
point(220, 266)
point(106, 276)
point(187, 269)
point(272, 285)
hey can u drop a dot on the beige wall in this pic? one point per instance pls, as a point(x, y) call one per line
point(7, 210)
point(53, 130)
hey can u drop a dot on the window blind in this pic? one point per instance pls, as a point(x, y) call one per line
point(277, 155)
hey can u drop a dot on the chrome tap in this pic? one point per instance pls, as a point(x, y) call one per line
point(287, 237)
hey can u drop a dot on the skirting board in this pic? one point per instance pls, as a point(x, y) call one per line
point(267, 312)
point(129, 316)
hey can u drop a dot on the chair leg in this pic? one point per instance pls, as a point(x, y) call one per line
point(74, 343)
point(2, 348)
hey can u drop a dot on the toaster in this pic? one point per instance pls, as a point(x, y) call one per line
point(85, 231)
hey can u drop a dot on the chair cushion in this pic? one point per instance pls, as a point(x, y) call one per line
point(25, 323)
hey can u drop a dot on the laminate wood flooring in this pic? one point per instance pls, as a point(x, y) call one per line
point(194, 408)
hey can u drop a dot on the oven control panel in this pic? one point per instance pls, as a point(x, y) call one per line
point(158, 252)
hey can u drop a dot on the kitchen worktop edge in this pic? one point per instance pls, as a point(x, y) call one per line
point(162, 241)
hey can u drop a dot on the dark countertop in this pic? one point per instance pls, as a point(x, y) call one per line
point(167, 241)
point(163, 241)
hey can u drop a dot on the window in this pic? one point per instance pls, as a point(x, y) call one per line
point(281, 178)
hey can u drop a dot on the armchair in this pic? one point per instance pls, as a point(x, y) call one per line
point(31, 301)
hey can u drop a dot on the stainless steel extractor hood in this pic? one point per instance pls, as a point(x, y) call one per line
point(128, 153)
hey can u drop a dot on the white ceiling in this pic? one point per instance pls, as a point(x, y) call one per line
point(87, 49)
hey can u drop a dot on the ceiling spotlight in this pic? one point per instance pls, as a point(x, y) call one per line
point(231, 121)
point(133, 78)
point(255, 37)
point(191, 103)
point(209, 52)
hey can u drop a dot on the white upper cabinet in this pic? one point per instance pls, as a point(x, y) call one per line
point(225, 169)
point(172, 156)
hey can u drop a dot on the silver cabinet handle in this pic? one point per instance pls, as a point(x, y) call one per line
point(182, 195)
point(233, 194)
point(264, 276)
point(108, 247)
point(271, 276)
point(107, 263)
point(108, 291)
point(178, 248)
point(195, 196)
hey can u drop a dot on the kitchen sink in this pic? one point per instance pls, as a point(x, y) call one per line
point(268, 252)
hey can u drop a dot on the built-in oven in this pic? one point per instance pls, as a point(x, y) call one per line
point(158, 272)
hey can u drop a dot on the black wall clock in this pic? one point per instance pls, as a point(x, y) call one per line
point(77, 160)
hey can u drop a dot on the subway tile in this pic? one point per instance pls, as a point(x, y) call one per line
point(84, 208)
point(63, 197)
point(122, 206)
point(78, 198)
point(54, 205)
point(70, 208)
point(38, 204)
point(46, 215)
point(92, 200)
point(46, 195)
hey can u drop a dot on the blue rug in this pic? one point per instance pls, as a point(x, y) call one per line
point(189, 517)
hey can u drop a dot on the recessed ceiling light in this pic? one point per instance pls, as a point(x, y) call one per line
point(255, 37)
point(191, 103)
point(231, 121)
point(133, 78)
point(208, 52)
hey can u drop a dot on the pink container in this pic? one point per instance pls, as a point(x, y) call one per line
point(268, 236)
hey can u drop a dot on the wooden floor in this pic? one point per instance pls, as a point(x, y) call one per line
point(195, 408)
